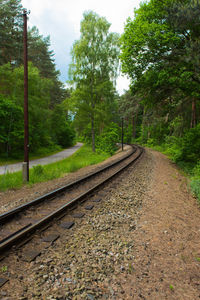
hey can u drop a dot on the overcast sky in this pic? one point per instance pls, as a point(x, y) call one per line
point(61, 20)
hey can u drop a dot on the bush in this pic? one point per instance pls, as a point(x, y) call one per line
point(173, 147)
point(191, 145)
point(107, 141)
point(61, 130)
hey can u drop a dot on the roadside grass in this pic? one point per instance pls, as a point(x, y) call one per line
point(42, 152)
point(82, 158)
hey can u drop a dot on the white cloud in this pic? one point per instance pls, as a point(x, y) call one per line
point(61, 20)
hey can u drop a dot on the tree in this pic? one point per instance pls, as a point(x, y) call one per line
point(11, 126)
point(46, 92)
point(130, 108)
point(47, 126)
point(43, 58)
point(93, 69)
point(11, 30)
point(160, 53)
point(184, 17)
point(61, 128)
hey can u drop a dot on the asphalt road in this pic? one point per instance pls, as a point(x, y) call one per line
point(41, 161)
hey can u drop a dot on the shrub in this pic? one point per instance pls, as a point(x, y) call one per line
point(191, 145)
point(173, 148)
point(107, 141)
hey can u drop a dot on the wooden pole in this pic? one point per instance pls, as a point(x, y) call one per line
point(26, 129)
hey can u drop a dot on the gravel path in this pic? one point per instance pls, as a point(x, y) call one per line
point(143, 243)
point(41, 161)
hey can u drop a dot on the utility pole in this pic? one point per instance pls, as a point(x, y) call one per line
point(26, 133)
point(122, 133)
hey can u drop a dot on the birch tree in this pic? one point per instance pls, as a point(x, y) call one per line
point(93, 69)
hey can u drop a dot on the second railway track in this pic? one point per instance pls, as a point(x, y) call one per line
point(20, 223)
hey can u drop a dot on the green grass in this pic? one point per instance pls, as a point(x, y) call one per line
point(42, 152)
point(82, 158)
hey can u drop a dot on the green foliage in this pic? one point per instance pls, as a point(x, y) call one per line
point(160, 53)
point(45, 91)
point(107, 141)
point(191, 145)
point(47, 126)
point(172, 147)
point(62, 131)
point(195, 181)
point(196, 169)
point(11, 30)
point(128, 133)
point(11, 126)
point(4, 269)
point(93, 71)
point(198, 258)
point(195, 187)
point(171, 287)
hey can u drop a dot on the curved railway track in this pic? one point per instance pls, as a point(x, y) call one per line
point(21, 222)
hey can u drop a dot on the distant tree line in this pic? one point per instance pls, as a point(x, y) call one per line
point(50, 124)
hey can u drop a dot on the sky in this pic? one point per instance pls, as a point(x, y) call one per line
point(61, 20)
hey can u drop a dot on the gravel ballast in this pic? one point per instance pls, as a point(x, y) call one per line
point(132, 245)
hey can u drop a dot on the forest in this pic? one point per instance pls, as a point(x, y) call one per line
point(49, 122)
point(159, 51)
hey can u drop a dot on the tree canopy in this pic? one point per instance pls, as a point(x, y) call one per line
point(93, 72)
point(160, 53)
point(46, 93)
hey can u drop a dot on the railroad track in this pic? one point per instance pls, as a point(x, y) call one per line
point(19, 224)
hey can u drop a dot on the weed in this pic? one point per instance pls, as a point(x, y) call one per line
point(171, 287)
point(195, 186)
point(4, 269)
point(130, 268)
point(198, 259)
point(174, 176)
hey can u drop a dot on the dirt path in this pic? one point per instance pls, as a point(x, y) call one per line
point(167, 239)
point(142, 243)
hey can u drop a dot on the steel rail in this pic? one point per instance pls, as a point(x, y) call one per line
point(26, 232)
point(51, 195)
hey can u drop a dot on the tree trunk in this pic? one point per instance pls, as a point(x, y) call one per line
point(92, 116)
point(193, 117)
point(93, 133)
point(134, 122)
point(149, 132)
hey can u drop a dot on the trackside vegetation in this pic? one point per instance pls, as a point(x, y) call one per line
point(50, 125)
point(160, 52)
point(82, 158)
